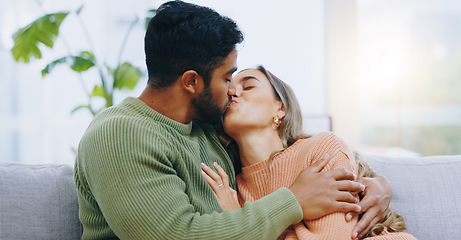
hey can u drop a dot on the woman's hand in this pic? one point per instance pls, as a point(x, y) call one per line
point(227, 197)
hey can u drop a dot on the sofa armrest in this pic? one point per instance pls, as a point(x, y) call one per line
point(38, 202)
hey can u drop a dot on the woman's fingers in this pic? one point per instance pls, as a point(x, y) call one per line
point(212, 174)
point(222, 173)
point(210, 181)
point(219, 183)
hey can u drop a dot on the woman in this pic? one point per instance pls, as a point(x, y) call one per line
point(265, 123)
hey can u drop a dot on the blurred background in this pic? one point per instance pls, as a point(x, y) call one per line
point(383, 74)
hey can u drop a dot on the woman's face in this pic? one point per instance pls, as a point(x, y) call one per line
point(253, 104)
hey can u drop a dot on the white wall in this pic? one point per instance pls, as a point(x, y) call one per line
point(287, 37)
point(341, 70)
point(35, 122)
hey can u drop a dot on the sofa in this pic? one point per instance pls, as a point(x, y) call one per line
point(40, 201)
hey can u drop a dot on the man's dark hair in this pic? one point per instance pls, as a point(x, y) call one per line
point(183, 36)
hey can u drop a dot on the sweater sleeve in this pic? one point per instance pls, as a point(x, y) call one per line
point(332, 226)
point(141, 197)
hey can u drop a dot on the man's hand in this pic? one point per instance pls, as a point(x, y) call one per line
point(377, 196)
point(322, 193)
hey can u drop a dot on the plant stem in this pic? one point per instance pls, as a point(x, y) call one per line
point(125, 40)
point(80, 77)
point(107, 92)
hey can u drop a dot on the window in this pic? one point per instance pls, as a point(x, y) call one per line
point(409, 79)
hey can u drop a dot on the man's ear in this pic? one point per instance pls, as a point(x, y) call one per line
point(192, 82)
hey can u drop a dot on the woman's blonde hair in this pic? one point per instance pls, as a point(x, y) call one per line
point(291, 128)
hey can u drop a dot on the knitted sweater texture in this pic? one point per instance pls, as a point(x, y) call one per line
point(260, 179)
point(138, 176)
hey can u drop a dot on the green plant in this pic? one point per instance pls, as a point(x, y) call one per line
point(45, 30)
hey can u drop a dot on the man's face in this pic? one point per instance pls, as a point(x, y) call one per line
point(213, 101)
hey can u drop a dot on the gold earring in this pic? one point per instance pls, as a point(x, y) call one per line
point(277, 121)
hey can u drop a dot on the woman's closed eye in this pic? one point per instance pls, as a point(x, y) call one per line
point(250, 84)
point(248, 87)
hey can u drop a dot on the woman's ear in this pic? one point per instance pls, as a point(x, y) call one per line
point(281, 112)
point(192, 82)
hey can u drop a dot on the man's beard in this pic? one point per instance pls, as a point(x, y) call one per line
point(207, 108)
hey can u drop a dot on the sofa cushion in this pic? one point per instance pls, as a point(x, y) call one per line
point(426, 191)
point(38, 202)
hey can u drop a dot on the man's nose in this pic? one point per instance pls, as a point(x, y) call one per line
point(233, 91)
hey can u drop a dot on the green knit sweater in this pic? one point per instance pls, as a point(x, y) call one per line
point(138, 177)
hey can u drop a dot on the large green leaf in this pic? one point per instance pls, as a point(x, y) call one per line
point(98, 91)
point(83, 62)
point(43, 30)
point(126, 76)
point(77, 63)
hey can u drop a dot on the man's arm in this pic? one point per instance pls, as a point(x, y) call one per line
point(154, 205)
point(321, 194)
point(138, 191)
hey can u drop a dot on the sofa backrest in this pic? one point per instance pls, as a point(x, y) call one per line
point(38, 202)
point(426, 191)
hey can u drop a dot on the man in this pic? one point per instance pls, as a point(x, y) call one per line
point(138, 169)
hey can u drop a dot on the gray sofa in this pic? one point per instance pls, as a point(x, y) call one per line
point(40, 202)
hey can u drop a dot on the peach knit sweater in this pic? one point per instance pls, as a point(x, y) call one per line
point(265, 177)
